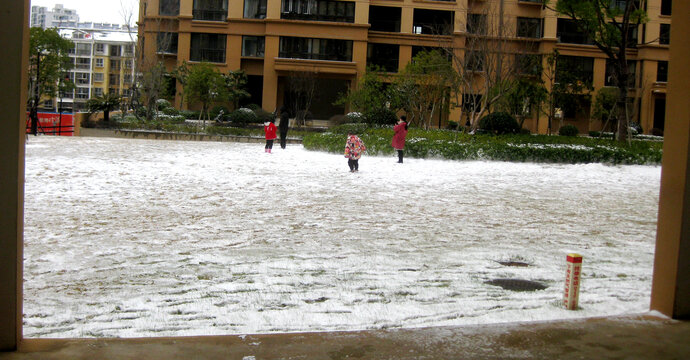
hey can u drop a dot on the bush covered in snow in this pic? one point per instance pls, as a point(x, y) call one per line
point(520, 148)
point(162, 104)
point(242, 116)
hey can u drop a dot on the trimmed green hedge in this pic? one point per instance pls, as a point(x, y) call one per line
point(453, 145)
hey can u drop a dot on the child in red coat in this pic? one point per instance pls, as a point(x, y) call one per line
point(270, 130)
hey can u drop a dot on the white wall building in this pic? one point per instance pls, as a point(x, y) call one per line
point(44, 18)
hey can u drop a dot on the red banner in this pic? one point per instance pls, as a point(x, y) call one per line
point(51, 123)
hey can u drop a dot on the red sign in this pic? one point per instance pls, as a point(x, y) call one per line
point(51, 123)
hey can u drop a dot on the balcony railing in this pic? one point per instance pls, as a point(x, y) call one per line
point(210, 55)
point(334, 56)
point(210, 15)
point(317, 17)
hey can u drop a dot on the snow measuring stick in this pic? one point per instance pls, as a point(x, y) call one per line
point(572, 281)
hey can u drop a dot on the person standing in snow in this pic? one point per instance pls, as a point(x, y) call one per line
point(270, 131)
point(283, 125)
point(399, 137)
point(354, 148)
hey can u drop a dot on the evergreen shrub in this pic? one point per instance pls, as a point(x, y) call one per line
point(499, 123)
point(242, 117)
point(162, 104)
point(568, 130)
point(381, 116)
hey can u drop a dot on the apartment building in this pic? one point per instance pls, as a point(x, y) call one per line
point(42, 17)
point(275, 41)
point(103, 63)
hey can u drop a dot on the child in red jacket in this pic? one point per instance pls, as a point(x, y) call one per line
point(270, 130)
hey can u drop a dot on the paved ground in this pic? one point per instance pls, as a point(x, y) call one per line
point(630, 337)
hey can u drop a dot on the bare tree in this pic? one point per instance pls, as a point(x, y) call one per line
point(611, 26)
point(425, 85)
point(149, 71)
point(487, 59)
point(302, 88)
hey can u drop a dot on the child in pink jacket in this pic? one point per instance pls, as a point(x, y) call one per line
point(354, 148)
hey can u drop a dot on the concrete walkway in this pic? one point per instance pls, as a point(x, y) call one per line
point(627, 337)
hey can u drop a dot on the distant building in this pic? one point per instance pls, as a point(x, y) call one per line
point(44, 18)
point(103, 56)
point(103, 63)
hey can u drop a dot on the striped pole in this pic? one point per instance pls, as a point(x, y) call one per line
point(572, 281)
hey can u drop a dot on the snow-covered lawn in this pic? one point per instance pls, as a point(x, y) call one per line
point(155, 238)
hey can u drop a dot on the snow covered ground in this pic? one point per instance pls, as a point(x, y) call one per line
point(136, 238)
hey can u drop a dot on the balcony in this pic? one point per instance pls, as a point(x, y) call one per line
point(210, 55)
point(210, 15)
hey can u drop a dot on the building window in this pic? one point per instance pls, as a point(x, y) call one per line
point(528, 64)
point(384, 18)
point(471, 102)
point(211, 10)
point(253, 46)
point(115, 50)
point(319, 49)
point(100, 48)
point(82, 93)
point(82, 78)
point(666, 7)
point(99, 62)
point(114, 79)
point(318, 10)
point(83, 49)
point(662, 71)
point(385, 56)
point(208, 47)
point(97, 91)
point(167, 43)
point(571, 69)
point(115, 65)
point(432, 22)
point(98, 77)
point(129, 50)
point(665, 34)
point(529, 27)
point(169, 7)
point(129, 64)
point(476, 24)
point(611, 80)
point(82, 63)
point(255, 9)
point(567, 31)
point(621, 5)
point(474, 60)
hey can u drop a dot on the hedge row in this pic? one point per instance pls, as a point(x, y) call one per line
point(518, 148)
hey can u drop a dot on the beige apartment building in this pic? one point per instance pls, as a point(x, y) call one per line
point(103, 62)
point(335, 41)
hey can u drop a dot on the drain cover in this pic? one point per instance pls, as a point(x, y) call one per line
point(517, 284)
